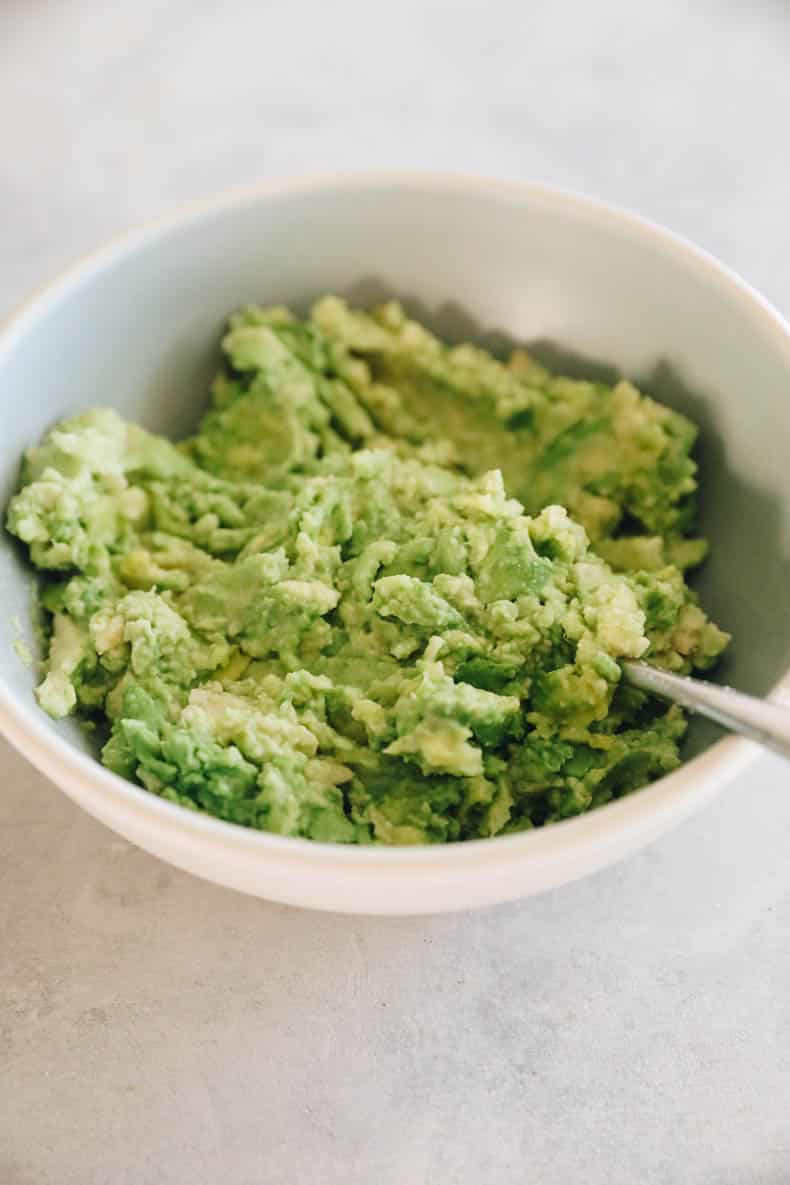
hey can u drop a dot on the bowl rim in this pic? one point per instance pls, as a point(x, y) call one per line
point(643, 814)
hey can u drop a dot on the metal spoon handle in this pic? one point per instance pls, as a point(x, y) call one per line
point(757, 719)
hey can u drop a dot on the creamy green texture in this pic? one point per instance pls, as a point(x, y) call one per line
point(381, 595)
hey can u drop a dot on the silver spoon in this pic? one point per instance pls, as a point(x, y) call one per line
point(758, 719)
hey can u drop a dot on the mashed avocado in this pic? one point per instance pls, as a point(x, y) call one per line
point(381, 595)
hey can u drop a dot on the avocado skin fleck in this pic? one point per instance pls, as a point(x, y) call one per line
point(382, 594)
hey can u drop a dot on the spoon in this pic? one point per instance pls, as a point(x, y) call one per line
point(758, 719)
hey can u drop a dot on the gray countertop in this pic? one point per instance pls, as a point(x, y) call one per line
point(632, 1029)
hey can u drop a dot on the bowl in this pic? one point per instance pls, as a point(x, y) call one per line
point(137, 326)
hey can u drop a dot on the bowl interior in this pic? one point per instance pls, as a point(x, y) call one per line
point(138, 328)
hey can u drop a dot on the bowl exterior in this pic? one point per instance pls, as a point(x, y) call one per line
point(129, 328)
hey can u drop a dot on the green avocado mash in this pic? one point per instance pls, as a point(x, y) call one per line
point(381, 595)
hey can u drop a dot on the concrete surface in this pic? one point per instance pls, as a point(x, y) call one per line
point(633, 1029)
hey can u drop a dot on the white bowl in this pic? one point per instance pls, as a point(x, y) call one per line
point(136, 327)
